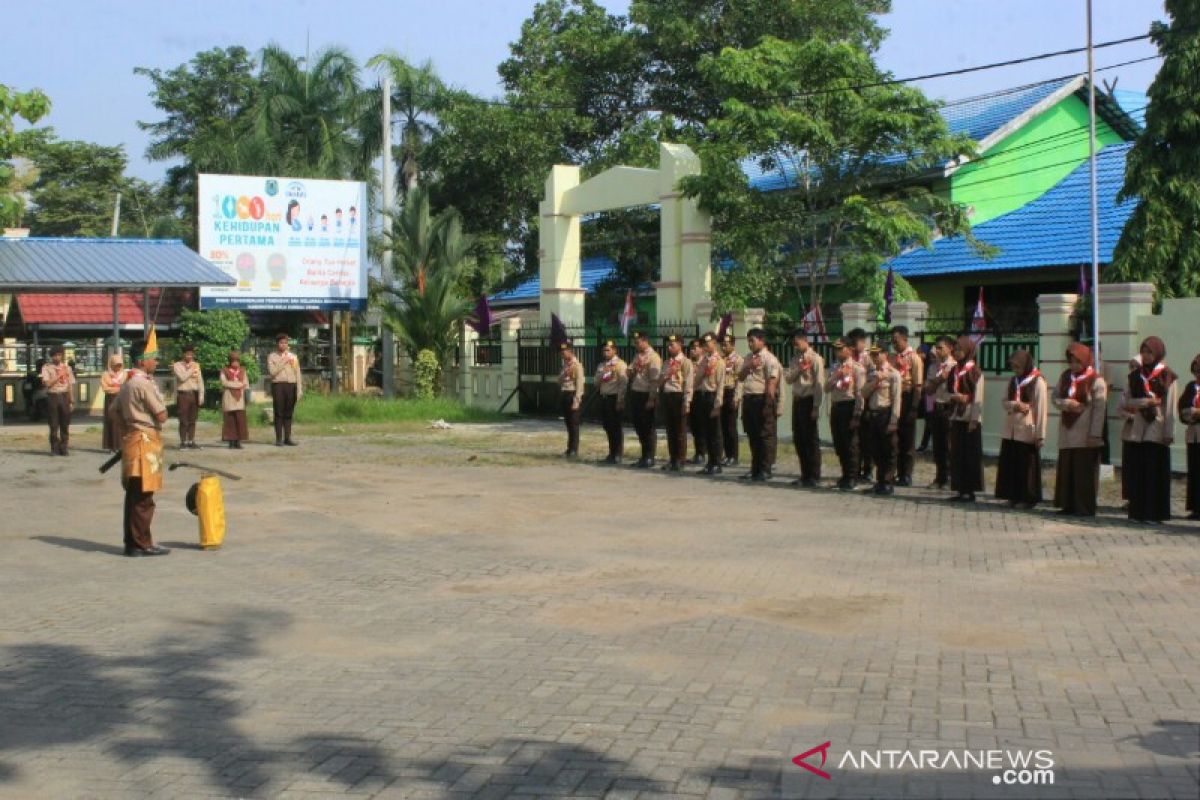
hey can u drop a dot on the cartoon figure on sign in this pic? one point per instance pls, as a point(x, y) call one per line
point(245, 268)
point(353, 219)
point(293, 215)
point(324, 223)
point(310, 223)
point(337, 220)
point(277, 268)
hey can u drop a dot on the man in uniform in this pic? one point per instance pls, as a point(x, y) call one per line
point(59, 380)
point(938, 384)
point(760, 375)
point(845, 410)
point(612, 380)
point(287, 387)
point(806, 374)
point(696, 353)
point(731, 401)
point(858, 341)
point(882, 395)
point(708, 399)
point(675, 389)
point(139, 413)
point(643, 396)
point(911, 367)
point(189, 393)
point(570, 396)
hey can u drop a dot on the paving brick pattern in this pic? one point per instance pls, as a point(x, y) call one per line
point(382, 625)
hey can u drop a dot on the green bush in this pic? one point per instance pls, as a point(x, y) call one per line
point(317, 409)
point(425, 375)
point(214, 333)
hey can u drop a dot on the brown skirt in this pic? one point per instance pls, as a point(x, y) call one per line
point(234, 428)
point(966, 458)
point(1019, 475)
point(1149, 484)
point(1077, 480)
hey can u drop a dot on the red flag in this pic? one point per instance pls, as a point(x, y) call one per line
point(978, 320)
point(814, 324)
point(628, 314)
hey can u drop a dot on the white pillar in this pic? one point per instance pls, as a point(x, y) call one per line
point(510, 366)
point(1054, 334)
point(558, 252)
point(858, 315)
point(911, 314)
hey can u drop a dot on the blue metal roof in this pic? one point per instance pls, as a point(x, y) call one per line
point(592, 271)
point(35, 264)
point(1052, 231)
point(1134, 104)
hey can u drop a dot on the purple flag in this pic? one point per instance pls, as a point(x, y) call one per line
point(558, 331)
point(1083, 280)
point(482, 322)
point(725, 325)
point(889, 294)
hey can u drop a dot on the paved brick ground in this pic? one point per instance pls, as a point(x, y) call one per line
point(390, 618)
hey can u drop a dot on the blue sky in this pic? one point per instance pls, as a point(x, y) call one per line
point(82, 52)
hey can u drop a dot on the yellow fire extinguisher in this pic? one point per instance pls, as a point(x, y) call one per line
point(205, 500)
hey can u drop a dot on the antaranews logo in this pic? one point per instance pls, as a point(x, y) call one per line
point(1008, 767)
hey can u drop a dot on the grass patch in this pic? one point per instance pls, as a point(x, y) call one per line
point(318, 409)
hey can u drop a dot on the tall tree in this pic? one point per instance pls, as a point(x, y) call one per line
point(30, 106)
point(417, 95)
point(76, 188)
point(1160, 244)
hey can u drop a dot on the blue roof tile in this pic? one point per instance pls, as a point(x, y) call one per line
point(50, 264)
point(592, 271)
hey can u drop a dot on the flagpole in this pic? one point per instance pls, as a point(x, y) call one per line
point(1095, 200)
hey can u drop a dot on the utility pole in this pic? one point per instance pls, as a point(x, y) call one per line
point(389, 345)
point(116, 216)
point(1095, 200)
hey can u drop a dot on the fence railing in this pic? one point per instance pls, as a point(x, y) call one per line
point(88, 359)
point(486, 354)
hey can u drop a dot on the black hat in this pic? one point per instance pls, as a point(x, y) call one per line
point(673, 339)
point(609, 343)
point(708, 337)
point(57, 350)
point(564, 346)
point(188, 347)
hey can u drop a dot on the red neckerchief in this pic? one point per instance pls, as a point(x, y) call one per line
point(607, 375)
point(1018, 384)
point(902, 364)
point(1196, 396)
point(709, 364)
point(845, 377)
point(674, 366)
point(1154, 373)
point(957, 374)
point(1076, 379)
point(566, 370)
point(731, 364)
point(234, 374)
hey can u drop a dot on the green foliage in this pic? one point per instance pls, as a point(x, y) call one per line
point(214, 333)
point(29, 106)
point(417, 94)
point(1159, 244)
point(426, 371)
point(872, 285)
point(756, 282)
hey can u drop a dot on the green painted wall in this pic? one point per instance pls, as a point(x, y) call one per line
point(1028, 162)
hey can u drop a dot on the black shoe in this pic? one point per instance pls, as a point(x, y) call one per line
point(290, 443)
point(958, 498)
point(232, 445)
point(797, 482)
point(237, 445)
point(809, 483)
point(609, 460)
point(905, 481)
point(884, 490)
point(137, 552)
point(759, 478)
point(279, 442)
point(845, 485)
point(639, 464)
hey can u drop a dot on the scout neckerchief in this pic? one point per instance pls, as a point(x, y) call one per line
point(958, 374)
point(845, 375)
point(674, 367)
point(1150, 413)
point(1018, 383)
point(1146, 379)
point(608, 374)
point(237, 374)
point(1072, 390)
point(567, 370)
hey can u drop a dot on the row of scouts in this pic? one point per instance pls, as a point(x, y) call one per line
point(874, 399)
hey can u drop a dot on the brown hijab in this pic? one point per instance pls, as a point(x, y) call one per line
point(964, 379)
point(1154, 378)
point(1083, 388)
point(1021, 362)
point(1191, 395)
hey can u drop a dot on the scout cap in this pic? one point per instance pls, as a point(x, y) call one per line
point(57, 350)
point(150, 348)
point(877, 350)
point(281, 336)
point(564, 347)
point(673, 338)
point(609, 343)
point(708, 337)
point(188, 347)
point(728, 338)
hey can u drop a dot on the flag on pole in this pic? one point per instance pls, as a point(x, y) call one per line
point(814, 324)
point(978, 320)
point(889, 294)
point(482, 321)
point(628, 314)
point(724, 326)
point(558, 331)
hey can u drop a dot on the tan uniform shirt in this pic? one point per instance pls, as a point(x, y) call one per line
point(757, 370)
point(806, 374)
point(846, 383)
point(1026, 426)
point(1139, 429)
point(646, 368)
point(58, 379)
point(972, 411)
point(882, 391)
point(140, 403)
point(911, 367)
point(1190, 416)
point(612, 377)
point(1090, 424)
point(938, 382)
point(710, 376)
point(231, 398)
point(733, 365)
point(285, 368)
point(188, 378)
point(110, 382)
point(570, 378)
point(678, 376)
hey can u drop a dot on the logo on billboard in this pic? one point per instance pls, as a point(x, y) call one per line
point(272, 187)
point(295, 191)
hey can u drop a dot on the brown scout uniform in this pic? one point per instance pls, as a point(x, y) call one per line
point(612, 378)
point(59, 381)
point(136, 409)
point(912, 382)
point(882, 394)
point(189, 396)
point(643, 388)
point(675, 383)
point(845, 409)
point(806, 374)
point(570, 401)
point(759, 416)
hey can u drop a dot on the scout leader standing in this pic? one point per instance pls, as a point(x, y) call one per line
point(612, 379)
point(911, 367)
point(845, 410)
point(806, 374)
point(858, 341)
point(59, 380)
point(189, 394)
point(937, 383)
point(110, 383)
point(570, 396)
point(696, 353)
point(140, 413)
point(966, 418)
point(882, 396)
point(287, 387)
point(731, 400)
point(707, 401)
point(675, 389)
point(643, 391)
point(760, 375)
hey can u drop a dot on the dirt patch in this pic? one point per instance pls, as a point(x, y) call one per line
point(619, 615)
point(820, 613)
point(983, 637)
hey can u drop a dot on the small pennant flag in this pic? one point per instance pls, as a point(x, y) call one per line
point(726, 324)
point(628, 313)
point(558, 331)
point(889, 294)
point(978, 320)
point(1083, 280)
point(482, 322)
point(814, 324)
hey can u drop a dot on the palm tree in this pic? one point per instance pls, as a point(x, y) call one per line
point(417, 94)
point(311, 110)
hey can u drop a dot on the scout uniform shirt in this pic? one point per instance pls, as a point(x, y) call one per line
point(806, 374)
point(757, 369)
point(846, 383)
point(57, 378)
point(646, 368)
point(938, 382)
point(733, 365)
point(1161, 425)
point(1029, 426)
point(677, 377)
point(911, 368)
point(137, 408)
point(285, 368)
point(882, 391)
point(1189, 412)
point(710, 377)
point(187, 378)
point(1076, 428)
point(570, 379)
point(612, 377)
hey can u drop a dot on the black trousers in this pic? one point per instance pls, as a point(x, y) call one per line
point(676, 425)
point(805, 439)
point(698, 429)
point(845, 440)
point(938, 423)
point(709, 432)
point(1193, 477)
point(966, 458)
point(283, 405)
point(188, 407)
point(759, 420)
point(58, 413)
point(864, 445)
point(571, 417)
point(883, 446)
point(906, 438)
point(139, 513)
point(1019, 473)
point(643, 423)
point(612, 424)
point(729, 424)
point(1149, 471)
